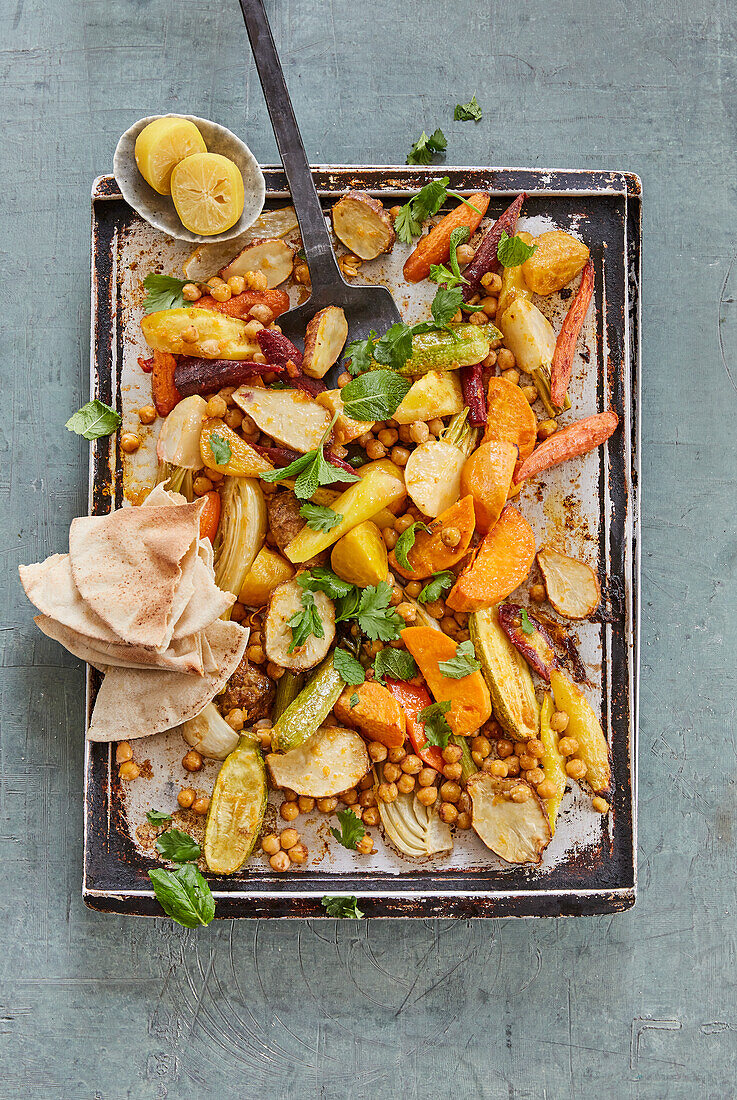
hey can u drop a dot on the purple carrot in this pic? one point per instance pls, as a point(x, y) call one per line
point(278, 348)
point(193, 375)
point(486, 259)
point(473, 394)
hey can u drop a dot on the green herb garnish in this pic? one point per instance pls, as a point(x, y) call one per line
point(320, 579)
point(354, 700)
point(221, 449)
point(527, 626)
point(359, 353)
point(311, 470)
point(318, 517)
point(349, 669)
point(375, 617)
point(438, 583)
point(425, 147)
point(397, 664)
point(338, 906)
point(467, 112)
point(183, 895)
point(375, 395)
point(164, 292)
point(437, 729)
point(512, 251)
point(406, 541)
point(463, 664)
point(427, 201)
point(451, 277)
point(305, 623)
point(351, 830)
point(177, 846)
point(94, 420)
point(157, 817)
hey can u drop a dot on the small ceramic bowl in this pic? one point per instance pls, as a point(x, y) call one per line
point(158, 210)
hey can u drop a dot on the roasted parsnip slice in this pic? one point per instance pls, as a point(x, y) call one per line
point(363, 225)
point(324, 340)
point(271, 256)
point(286, 602)
point(571, 585)
point(331, 760)
point(518, 831)
point(209, 258)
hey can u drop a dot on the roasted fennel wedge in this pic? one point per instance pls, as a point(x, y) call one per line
point(518, 831)
point(236, 809)
point(414, 830)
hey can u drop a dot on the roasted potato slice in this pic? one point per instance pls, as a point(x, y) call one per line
point(345, 429)
point(285, 602)
point(437, 393)
point(271, 256)
point(268, 571)
point(363, 225)
point(328, 762)
point(571, 585)
point(324, 340)
point(290, 417)
point(518, 831)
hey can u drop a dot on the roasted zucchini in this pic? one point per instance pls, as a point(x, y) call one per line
point(236, 809)
point(505, 671)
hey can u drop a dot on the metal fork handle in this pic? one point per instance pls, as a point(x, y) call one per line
point(315, 236)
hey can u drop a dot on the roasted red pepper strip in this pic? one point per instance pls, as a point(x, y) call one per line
point(536, 646)
point(473, 394)
point(146, 365)
point(412, 699)
point(163, 389)
point(565, 345)
point(486, 258)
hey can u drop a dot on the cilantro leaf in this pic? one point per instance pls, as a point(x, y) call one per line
point(348, 668)
point(467, 112)
point(512, 251)
point(394, 348)
point(438, 583)
point(177, 846)
point(351, 830)
point(319, 517)
point(397, 664)
point(221, 449)
point(164, 292)
point(463, 664)
point(376, 395)
point(338, 906)
point(347, 606)
point(320, 579)
point(437, 729)
point(527, 626)
point(305, 623)
point(423, 149)
point(183, 895)
point(94, 420)
point(157, 817)
point(375, 618)
point(407, 225)
point(406, 541)
point(359, 354)
point(427, 201)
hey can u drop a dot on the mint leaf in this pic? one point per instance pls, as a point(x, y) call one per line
point(348, 668)
point(467, 112)
point(438, 583)
point(164, 292)
point(221, 449)
point(397, 664)
point(312, 470)
point(375, 618)
point(423, 149)
point(320, 579)
point(452, 277)
point(437, 729)
point(305, 623)
point(527, 626)
point(318, 517)
point(94, 420)
point(376, 395)
point(512, 251)
point(337, 906)
point(406, 541)
point(295, 467)
point(183, 895)
point(178, 846)
point(351, 830)
point(157, 817)
point(463, 664)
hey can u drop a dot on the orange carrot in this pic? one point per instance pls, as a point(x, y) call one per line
point(501, 563)
point(576, 439)
point(165, 394)
point(509, 416)
point(565, 345)
point(470, 703)
point(487, 476)
point(210, 515)
point(430, 554)
point(240, 304)
point(435, 247)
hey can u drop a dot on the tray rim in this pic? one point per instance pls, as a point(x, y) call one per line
point(471, 903)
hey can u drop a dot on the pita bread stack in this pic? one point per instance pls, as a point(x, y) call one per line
point(136, 598)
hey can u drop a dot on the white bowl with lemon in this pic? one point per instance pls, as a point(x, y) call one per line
point(189, 177)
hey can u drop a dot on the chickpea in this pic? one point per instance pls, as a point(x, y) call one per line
point(452, 754)
point(406, 783)
point(371, 816)
point(453, 772)
point(401, 523)
point(222, 292)
point(600, 804)
point(147, 414)
point(264, 737)
point(377, 752)
point(263, 314)
point(400, 456)
point(436, 426)
point(559, 721)
point(449, 626)
point(450, 792)
point(123, 752)
point(280, 861)
point(270, 844)
point(129, 442)
point(419, 432)
point(547, 428)
point(235, 719)
point(211, 348)
point(327, 805)
point(365, 845)
point(530, 394)
point(274, 672)
point(256, 654)
point(252, 329)
point(289, 794)
point(412, 765)
point(575, 768)
point(521, 793)
point(465, 253)
point(375, 450)
point(349, 797)
point(288, 838)
point(489, 361)
point(192, 761)
point(191, 292)
point(405, 433)
point(237, 284)
point(388, 792)
point(448, 813)
point(289, 811)
point(535, 776)
point(492, 282)
point(535, 748)
point(256, 280)
point(504, 748)
point(463, 820)
point(506, 360)
point(390, 536)
point(489, 306)
point(427, 777)
point(298, 854)
point(413, 589)
point(481, 745)
point(426, 796)
point(497, 768)
point(190, 335)
point(392, 772)
point(436, 609)
point(201, 804)
point(407, 611)
point(537, 593)
point(129, 770)
point(526, 762)
point(306, 804)
point(478, 318)
point(450, 537)
point(513, 768)
point(186, 797)
point(367, 797)
point(396, 597)
point(546, 789)
point(201, 485)
point(302, 274)
point(567, 746)
point(388, 437)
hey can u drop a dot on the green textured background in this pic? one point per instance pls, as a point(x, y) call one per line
point(635, 1006)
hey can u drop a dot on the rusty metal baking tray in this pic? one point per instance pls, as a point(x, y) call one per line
point(590, 867)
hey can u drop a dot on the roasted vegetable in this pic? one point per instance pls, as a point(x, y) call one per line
point(218, 441)
point(196, 331)
point(429, 554)
point(434, 248)
point(487, 476)
point(530, 637)
point(210, 515)
point(237, 809)
point(509, 417)
point(210, 734)
point(513, 283)
point(288, 687)
point(375, 712)
point(557, 259)
point(501, 563)
point(381, 485)
point(290, 417)
point(507, 676)
point(360, 556)
point(433, 476)
point(553, 763)
point(179, 439)
point(309, 710)
point(268, 255)
point(207, 259)
point(518, 831)
point(286, 602)
point(324, 341)
point(164, 391)
point(345, 429)
point(570, 442)
point(240, 305)
point(268, 571)
point(530, 336)
point(241, 533)
point(472, 384)
point(468, 767)
point(435, 394)
point(584, 726)
point(330, 761)
point(440, 350)
point(470, 703)
point(415, 830)
point(572, 586)
point(249, 690)
point(413, 698)
point(194, 375)
point(565, 345)
point(363, 225)
point(486, 259)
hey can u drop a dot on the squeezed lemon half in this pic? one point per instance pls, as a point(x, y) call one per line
point(161, 145)
point(207, 190)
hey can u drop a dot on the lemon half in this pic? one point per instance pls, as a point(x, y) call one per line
point(161, 145)
point(207, 190)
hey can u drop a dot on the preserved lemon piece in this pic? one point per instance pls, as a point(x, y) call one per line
point(161, 145)
point(207, 190)
point(236, 810)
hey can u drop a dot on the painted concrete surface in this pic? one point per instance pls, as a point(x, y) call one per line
point(640, 1006)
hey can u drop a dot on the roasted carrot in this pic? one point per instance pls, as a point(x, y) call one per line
point(502, 562)
point(240, 304)
point(486, 259)
point(163, 389)
point(487, 476)
point(470, 702)
point(210, 515)
point(569, 442)
point(565, 345)
point(413, 698)
point(435, 247)
point(430, 554)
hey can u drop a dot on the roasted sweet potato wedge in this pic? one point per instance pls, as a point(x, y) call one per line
point(509, 417)
point(430, 554)
point(501, 563)
point(487, 476)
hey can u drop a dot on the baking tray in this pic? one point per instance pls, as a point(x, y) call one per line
point(590, 867)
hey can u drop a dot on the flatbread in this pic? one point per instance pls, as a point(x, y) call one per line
point(134, 703)
point(128, 566)
point(182, 656)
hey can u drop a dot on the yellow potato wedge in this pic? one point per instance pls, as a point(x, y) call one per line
point(363, 225)
point(290, 417)
point(324, 341)
point(437, 393)
point(268, 571)
point(271, 256)
point(557, 259)
point(360, 557)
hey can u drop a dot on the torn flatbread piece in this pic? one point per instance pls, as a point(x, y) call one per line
point(185, 655)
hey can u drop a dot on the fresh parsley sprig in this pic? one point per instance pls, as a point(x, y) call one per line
point(319, 517)
point(338, 906)
point(351, 830)
point(425, 147)
point(437, 729)
point(163, 292)
point(427, 201)
point(451, 277)
point(467, 112)
point(463, 664)
point(374, 615)
point(512, 251)
point(406, 541)
point(305, 623)
point(157, 817)
point(221, 449)
point(527, 626)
